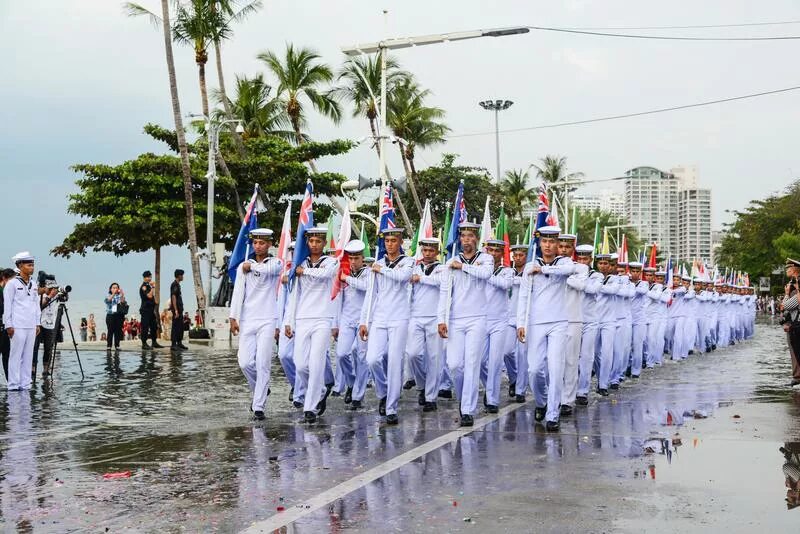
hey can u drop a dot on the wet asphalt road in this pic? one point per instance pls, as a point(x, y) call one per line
point(690, 446)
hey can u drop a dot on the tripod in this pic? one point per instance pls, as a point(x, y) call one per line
point(63, 312)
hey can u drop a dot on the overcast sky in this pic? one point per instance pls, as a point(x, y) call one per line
point(80, 79)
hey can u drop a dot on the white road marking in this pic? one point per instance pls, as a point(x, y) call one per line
point(290, 515)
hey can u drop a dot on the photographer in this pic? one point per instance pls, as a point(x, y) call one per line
point(116, 309)
point(791, 316)
point(5, 342)
point(147, 292)
point(48, 332)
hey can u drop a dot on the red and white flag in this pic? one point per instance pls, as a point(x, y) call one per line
point(345, 231)
point(283, 243)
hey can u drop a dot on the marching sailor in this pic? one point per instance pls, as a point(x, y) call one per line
point(576, 284)
point(638, 317)
point(497, 299)
point(517, 389)
point(590, 286)
point(21, 317)
point(659, 297)
point(607, 323)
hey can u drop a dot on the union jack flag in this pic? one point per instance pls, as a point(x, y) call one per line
point(304, 221)
point(459, 216)
point(387, 218)
point(543, 218)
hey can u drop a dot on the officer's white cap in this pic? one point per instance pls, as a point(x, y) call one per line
point(661, 273)
point(649, 269)
point(584, 250)
point(429, 242)
point(549, 231)
point(356, 246)
point(22, 257)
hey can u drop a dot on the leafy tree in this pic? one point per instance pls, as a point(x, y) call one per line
point(260, 113)
point(553, 169)
point(788, 245)
point(586, 225)
point(517, 192)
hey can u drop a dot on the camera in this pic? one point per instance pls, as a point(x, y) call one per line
point(62, 295)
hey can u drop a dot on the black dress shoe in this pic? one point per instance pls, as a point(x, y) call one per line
point(392, 419)
point(322, 405)
point(291, 394)
point(157, 346)
point(382, 406)
point(297, 404)
point(258, 415)
point(691, 352)
point(634, 376)
point(421, 397)
point(491, 408)
point(581, 400)
point(519, 399)
point(485, 402)
point(430, 407)
point(445, 394)
point(628, 371)
point(145, 346)
point(713, 347)
point(539, 413)
point(335, 394)
point(309, 417)
point(409, 384)
point(614, 386)
point(565, 410)
point(552, 426)
point(348, 396)
point(182, 346)
point(512, 389)
point(603, 392)
point(466, 420)
point(355, 405)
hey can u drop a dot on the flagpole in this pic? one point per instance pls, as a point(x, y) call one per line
point(456, 209)
point(530, 296)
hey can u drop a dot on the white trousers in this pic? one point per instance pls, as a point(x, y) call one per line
point(604, 351)
point(546, 351)
point(385, 348)
point(637, 348)
point(466, 338)
point(622, 350)
point(351, 353)
point(256, 342)
point(311, 342)
point(572, 356)
point(655, 340)
point(494, 356)
point(425, 354)
point(20, 358)
point(286, 357)
point(586, 359)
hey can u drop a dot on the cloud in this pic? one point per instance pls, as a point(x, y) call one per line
point(588, 64)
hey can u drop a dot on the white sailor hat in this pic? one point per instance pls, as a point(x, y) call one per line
point(584, 250)
point(22, 257)
point(261, 233)
point(466, 225)
point(567, 237)
point(495, 243)
point(686, 278)
point(316, 230)
point(519, 246)
point(395, 230)
point(649, 269)
point(603, 256)
point(369, 259)
point(613, 256)
point(356, 246)
point(792, 263)
point(429, 242)
point(635, 265)
point(549, 231)
point(661, 273)
point(623, 263)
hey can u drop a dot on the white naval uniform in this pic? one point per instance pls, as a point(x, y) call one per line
point(497, 299)
point(388, 327)
point(254, 305)
point(639, 318)
point(21, 311)
point(573, 299)
point(424, 347)
point(312, 311)
point(466, 327)
point(624, 331)
point(513, 346)
point(680, 321)
point(351, 350)
point(606, 328)
point(591, 320)
point(659, 297)
point(546, 329)
point(286, 344)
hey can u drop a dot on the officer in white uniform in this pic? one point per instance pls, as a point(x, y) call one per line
point(497, 300)
point(286, 345)
point(309, 318)
point(589, 284)
point(384, 322)
point(607, 324)
point(254, 310)
point(622, 337)
point(638, 318)
point(573, 300)
point(351, 350)
point(424, 347)
point(517, 388)
point(542, 323)
point(659, 297)
point(21, 317)
point(462, 317)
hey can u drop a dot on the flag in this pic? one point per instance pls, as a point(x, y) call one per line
point(365, 240)
point(552, 216)
point(542, 218)
point(459, 216)
point(529, 231)
point(486, 225)
point(501, 232)
point(305, 220)
point(668, 278)
point(424, 231)
point(284, 241)
point(606, 249)
point(596, 242)
point(446, 229)
point(622, 250)
point(241, 249)
point(573, 223)
point(345, 231)
point(386, 219)
point(653, 254)
point(330, 243)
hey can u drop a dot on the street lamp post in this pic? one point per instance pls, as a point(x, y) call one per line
point(497, 106)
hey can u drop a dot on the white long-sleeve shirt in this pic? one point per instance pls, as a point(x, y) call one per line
point(425, 293)
point(351, 298)
point(639, 303)
point(657, 309)
point(514, 300)
point(497, 296)
point(590, 301)
point(544, 292)
point(314, 286)
point(21, 304)
point(576, 284)
point(468, 286)
point(254, 298)
point(390, 292)
point(624, 295)
point(607, 299)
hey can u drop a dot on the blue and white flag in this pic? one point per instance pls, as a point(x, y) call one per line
point(242, 247)
point(459, 216)
point(542, 219)
point(387, 220)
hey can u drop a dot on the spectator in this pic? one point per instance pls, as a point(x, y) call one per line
point(84, 329)
point(103, 336)
point(166, 324)
point(116, 307)
point(176, 307)
point(126, 329)
point(198, 319)
point(187, 322)
point(92, 325)
point(133, 328)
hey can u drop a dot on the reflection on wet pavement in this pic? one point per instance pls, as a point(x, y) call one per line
point(666, 451)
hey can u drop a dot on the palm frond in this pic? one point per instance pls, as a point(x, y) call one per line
point(135, 10)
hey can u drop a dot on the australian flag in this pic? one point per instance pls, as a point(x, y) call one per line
point(304, 221)
point(542, 217)
point(241, 249)
point(387, 219)
point(459, 216)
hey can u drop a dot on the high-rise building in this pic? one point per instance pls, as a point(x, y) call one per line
point(651, 207)
point(605, 200)
point(694, 224)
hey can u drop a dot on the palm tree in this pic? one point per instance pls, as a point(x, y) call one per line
point(553, 169)
point(300, 76)
point(419, 125)
point(516, 191)
point(136, 10)
point(260, 113)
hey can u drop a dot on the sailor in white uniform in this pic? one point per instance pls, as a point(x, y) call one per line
point(497, 299)
point(384, 322)
point(21, 317)
point(253, 314)
point(517, 389)
point(638, 317)
point(309, 318)
point(462, 317)
point(542, 323)
point(589, 284)
point(607, 323)
point(424, 347)
point(573, 300)
point(351, 350)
